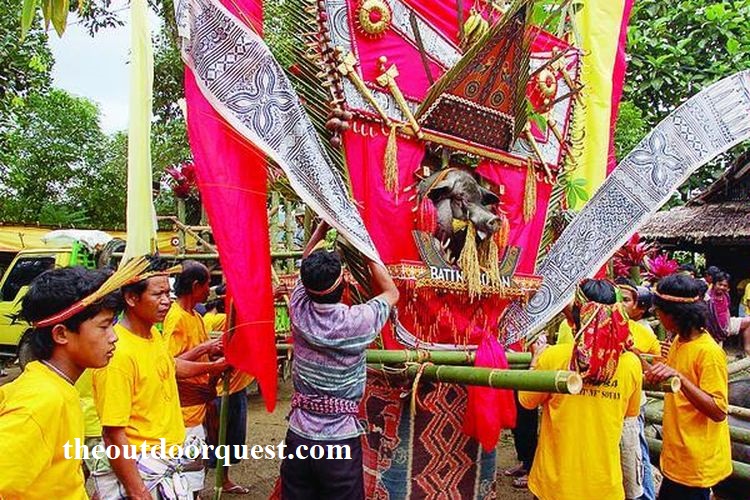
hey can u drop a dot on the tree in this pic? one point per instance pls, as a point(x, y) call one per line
point(52, 145)
point(676, 49)
point(24, 67)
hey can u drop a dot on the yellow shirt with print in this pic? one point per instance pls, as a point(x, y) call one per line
point(217, 322)
point(644, 338)
point(696, 450)
point(138, 390)
point(184, 330)
point(39, 414)
point(581, 434)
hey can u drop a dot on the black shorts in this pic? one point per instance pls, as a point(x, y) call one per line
point(326, 478)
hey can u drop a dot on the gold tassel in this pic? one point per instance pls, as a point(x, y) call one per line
point(468, 261)
point(502, 237)
point(529, 195)
point(390, 173)
point(489, 259)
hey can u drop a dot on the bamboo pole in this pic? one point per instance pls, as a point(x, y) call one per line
point(740, 470)
point(736, 411)
point(224, 407)
point(394, 356)
point(564, 382)
point(671, 385)
point(736, 434)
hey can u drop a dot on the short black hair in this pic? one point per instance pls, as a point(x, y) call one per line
point(319, 271)
point(600, 291)
point(688, 268)
point(192, 271)
point(722, 276)
point(54, 291)
point(155, 265)
point(712, 271)
point(687, 316)
point(218, 303)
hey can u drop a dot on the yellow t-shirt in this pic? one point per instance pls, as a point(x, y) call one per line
point(138, 390)
point(84, 385)
point(696, 450)
point(746, 298)
point(184, 330)
point(644, 338)
point(565, 333)
point(216, 322)
point(39, 414)
point(580, 435)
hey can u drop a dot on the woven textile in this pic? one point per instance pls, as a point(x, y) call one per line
point(702, 128)
point(425, 455)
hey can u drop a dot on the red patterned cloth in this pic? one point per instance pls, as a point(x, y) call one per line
point(604, 338)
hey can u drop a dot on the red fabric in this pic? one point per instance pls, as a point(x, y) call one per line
point(232, 181)
point(389, 219)
point(605, 337)
point(489, 410)
point(442, 14)
point(527, 236)
point(618, 80)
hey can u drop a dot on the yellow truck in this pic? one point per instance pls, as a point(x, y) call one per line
point(26, 266)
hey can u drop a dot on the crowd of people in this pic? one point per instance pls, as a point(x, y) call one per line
point(107, 375)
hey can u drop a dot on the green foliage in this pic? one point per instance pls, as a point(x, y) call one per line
point(576, 191)
point(52, 146)
point(676, 49)
point(631, 128)
point(24, 66)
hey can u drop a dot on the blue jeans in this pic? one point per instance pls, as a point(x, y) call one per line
point(648, 478)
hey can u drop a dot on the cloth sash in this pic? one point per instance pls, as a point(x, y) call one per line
point(324, 405)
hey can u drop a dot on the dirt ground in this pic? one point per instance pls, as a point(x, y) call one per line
point(264, 428)
point(270, 428)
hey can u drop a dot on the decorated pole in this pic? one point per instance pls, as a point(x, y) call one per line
point(740, 470)
point(564, 382)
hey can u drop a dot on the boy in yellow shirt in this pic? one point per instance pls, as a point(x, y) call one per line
point(137, 400)
point(186, 334)
point(696, 453)
point(40, 416)
point(578, 454)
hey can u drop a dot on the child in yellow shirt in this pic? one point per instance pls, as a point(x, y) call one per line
point(40, 415)
point(696, 451)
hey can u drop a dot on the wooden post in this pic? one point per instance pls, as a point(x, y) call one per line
point(289, 233)
point(181, 216)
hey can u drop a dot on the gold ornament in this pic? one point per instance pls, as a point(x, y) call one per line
point(373, 18)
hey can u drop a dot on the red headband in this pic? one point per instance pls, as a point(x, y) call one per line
point(320, 293)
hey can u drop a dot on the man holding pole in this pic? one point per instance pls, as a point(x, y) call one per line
point(580, 435)
point(696, 454)
point(330, 339)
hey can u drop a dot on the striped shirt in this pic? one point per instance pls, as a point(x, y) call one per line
point(329, 359)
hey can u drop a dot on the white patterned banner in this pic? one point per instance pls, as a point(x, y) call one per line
point(246, 86)
point(703, 127)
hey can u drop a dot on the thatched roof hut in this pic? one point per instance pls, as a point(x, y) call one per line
point(719, 216)
point(715, 223)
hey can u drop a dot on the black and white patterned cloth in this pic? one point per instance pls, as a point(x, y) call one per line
point(246, 86)
point(703, 127)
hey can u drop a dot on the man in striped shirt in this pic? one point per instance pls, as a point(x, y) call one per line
point(329, 372)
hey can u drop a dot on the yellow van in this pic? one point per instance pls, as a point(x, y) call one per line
point(26, 266)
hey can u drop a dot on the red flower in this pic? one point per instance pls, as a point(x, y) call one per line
point(661, 266)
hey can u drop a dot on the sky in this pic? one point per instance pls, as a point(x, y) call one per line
point(96, 67)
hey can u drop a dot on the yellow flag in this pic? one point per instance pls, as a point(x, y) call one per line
point(141, 216)
point(600, 23)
